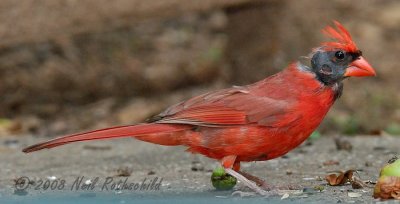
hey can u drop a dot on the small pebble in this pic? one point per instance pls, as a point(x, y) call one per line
point(51, 178)
point(88, 182)
point(368, 164)
point(243, 194)
point(310, 190)
point(197, 166)
point(285, 196)
point(343, 144)
point(353, 195)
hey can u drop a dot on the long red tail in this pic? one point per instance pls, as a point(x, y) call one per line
point(163, 134)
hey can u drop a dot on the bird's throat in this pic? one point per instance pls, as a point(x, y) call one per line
point(337, 89)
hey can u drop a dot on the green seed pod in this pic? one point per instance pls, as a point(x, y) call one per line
point(221, 180)
point(391, 169)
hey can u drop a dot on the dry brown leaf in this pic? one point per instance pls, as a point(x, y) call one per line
point(357, 183)
point(396, 195)
point(388, 187)
point(339, 178)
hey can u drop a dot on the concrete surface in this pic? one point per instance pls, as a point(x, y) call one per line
point(185, 175)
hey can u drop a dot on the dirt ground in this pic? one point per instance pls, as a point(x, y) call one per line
point(185, 174)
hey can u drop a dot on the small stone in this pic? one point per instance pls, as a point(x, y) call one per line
point(51, 178)
point(319, 188)
point(343, 144)
point(88, 182)
point(243, 194)
point(368, 164)
point(124, 172)
point(197, 166)
point(285, 196)
point(354, 195)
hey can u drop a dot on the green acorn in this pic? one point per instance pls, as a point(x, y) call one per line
point(221, 180)
point(388, 185)
point(391, 169)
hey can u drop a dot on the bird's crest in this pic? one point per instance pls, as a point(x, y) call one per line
point(342, 39)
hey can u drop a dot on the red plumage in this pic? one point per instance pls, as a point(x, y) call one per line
point(256, 122)
point(342, 39)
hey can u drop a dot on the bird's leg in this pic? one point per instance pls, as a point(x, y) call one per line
point(229, 164)
point(232, 167)
point(260, 182)
point(246, 182)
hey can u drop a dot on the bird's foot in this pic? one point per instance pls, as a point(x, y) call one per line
point(252, 185)
point(260, 182)
point(259, 185)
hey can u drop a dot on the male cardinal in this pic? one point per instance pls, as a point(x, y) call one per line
point(257, 122)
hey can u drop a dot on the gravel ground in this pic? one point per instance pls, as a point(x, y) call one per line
point(185, 175)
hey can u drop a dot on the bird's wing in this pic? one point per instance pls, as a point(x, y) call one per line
point(234, 106)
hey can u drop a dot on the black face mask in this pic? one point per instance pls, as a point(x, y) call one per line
point(330, 66)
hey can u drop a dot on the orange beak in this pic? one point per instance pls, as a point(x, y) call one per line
point(360, 68)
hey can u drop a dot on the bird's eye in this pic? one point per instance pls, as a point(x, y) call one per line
point(339, 55)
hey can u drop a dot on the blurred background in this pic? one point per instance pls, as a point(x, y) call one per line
point(71, 65)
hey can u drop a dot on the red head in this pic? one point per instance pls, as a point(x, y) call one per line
point(340, 58)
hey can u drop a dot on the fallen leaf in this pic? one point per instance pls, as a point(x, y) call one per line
point(396, 195)
point(339, 178)
point(357, 183)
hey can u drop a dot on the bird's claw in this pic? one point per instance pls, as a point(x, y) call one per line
point(260, 186)
point(246, 182)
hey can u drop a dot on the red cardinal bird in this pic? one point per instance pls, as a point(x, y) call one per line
point(257, 122)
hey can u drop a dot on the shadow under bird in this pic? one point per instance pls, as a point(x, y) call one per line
point(256, 122)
